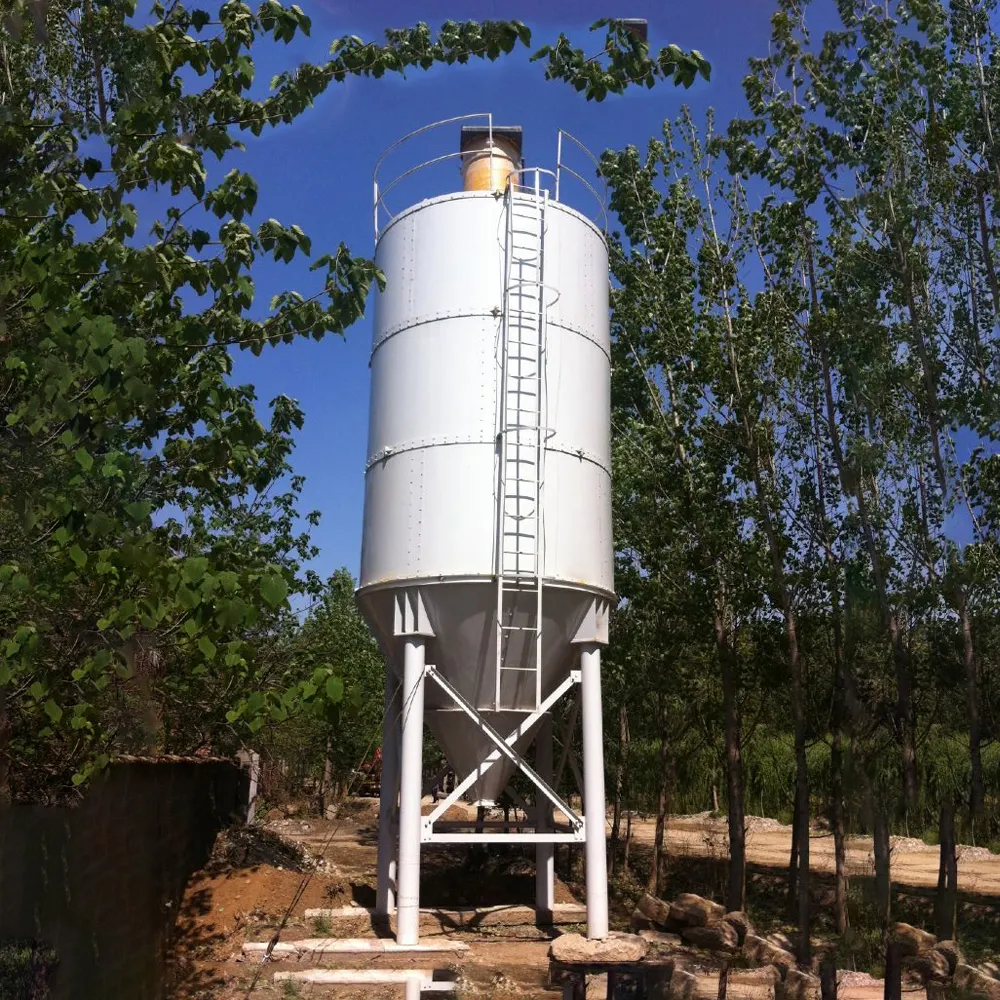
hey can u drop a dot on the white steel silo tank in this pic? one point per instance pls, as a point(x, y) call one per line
point(487, 520)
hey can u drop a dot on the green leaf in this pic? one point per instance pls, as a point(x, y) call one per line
point(138, 510)
point(335, 689)
point(37, 691)
point(195, 568)
point(273, 589)
point(84, 459)
point(53, 711)
point(207, 647)
point(78, 556)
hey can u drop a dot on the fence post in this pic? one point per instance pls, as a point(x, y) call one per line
point(251, 761)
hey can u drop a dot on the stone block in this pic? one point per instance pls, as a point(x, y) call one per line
point(615, 948)
point(719, 937)
point(695, 911)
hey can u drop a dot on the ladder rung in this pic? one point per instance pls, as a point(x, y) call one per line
point(524, 351)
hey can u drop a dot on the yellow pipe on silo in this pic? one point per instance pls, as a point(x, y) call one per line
point(486, 168)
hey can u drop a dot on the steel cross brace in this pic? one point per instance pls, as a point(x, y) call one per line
point(504, 747)
point(567, 750)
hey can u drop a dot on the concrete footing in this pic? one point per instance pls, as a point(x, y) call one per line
point(462, 916)
point(349, 946)
point(416, 981)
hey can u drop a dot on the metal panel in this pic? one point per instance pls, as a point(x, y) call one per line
point(430, 501)
point(442, 258)
point(577, 269)
point(429, 513)
point(578, 544)
point(436, 386)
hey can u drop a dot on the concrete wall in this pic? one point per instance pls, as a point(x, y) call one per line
point(101, 883)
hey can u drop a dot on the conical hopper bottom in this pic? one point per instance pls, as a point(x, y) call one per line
point(466, 746)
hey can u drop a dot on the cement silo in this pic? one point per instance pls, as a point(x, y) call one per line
point(487, 563)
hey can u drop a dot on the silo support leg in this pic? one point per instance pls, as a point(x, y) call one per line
point(544, 853)
point(385, 893)
point(593, 791)
point(410, 788)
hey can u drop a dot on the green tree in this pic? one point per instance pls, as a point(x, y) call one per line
point(148, 546)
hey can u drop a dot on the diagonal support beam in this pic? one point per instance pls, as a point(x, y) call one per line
point(504, 747)
point(568, 741)
point(494, 756)
point(574, 766)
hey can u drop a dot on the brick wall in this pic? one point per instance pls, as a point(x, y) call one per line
point(101, 883)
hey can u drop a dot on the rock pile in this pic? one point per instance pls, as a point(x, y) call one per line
point(692, 920)
point(941, 966)
point(705, 924)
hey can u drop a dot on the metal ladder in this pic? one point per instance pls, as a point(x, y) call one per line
point(519, 521)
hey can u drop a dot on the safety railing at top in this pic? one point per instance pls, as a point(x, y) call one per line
point(564, 168)
point(555, 183)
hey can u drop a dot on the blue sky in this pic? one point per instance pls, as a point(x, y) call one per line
point(318, 174)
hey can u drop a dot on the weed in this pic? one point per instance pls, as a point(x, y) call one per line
point(321, 925)
point(25, 968)
point(290, 988)
point(861, 946)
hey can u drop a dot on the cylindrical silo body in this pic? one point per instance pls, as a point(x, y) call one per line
point(433, 484)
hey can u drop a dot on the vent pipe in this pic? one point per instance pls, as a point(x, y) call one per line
point(490, 158)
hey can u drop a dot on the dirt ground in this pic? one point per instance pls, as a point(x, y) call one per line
point(251, 885)
point(914, 863)
point(237, 899)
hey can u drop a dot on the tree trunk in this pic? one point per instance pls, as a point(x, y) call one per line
point(984, 235)
point(803, 915)
point(657, 881)
point(946, 902)
point(723, 982)
point(628, 840)
point(905, 717)
point(102, 103)
point(616, 819)
point(828, 978)
point(327, 782)
point(883, 875)
point(798, 866)
point(976, 791)
point(839, 703)
point(837, 828)
point(793, 864)
point(734, 763)
point(893, 971)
